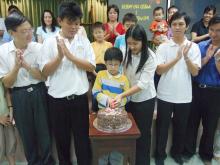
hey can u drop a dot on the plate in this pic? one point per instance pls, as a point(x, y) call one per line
point(125, 128)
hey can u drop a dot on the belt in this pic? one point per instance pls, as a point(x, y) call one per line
point(73, 97)
point(208, 86)
point(28, 88)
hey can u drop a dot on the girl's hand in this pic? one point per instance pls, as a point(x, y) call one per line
point(11, 117)
point(118, 100)
point(5, 120)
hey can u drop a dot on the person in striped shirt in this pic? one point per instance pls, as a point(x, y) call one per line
point(108, 84)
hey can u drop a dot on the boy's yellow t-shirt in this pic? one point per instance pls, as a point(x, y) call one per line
point(99, 50)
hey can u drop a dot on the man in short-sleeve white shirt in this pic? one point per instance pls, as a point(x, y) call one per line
point(65, 60)
point(178, 60)
point(175, 85)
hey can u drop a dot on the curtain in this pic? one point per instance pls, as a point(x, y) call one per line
point(93, 10)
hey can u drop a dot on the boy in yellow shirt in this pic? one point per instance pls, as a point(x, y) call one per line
point(99, 46)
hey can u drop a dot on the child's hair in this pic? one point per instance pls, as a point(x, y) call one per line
point(115, 7)
point(138, 33)
point(179, 15)
point(14, 20)
point(158, 8)
point(70, 10)
point(129, 17)
point(54, 22)
point(98, 25)
point(210, 8)
point(171, 7)
point(113, 54)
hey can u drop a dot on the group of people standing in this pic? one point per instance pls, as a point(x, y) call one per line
point(61, 107)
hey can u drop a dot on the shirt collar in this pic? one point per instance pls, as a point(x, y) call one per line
point(12, 47)
point(65, 39)
point(111, 76)
point(172, 43)
point(136, 55)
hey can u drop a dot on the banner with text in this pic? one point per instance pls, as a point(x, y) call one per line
point(143, 9)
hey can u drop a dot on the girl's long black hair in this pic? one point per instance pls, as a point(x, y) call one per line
point(138, 33)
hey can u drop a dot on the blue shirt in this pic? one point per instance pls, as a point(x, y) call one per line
point(120, 43)
point(209, 74)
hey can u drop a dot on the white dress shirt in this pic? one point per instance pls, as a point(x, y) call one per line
point(144, 79)
point(175, 85)
point(7, 62)
point(68, 79)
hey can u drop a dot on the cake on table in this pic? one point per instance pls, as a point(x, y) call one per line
point(112, 119)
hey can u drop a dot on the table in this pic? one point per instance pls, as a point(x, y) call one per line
point(103, 143)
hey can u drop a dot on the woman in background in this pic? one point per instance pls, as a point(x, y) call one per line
point(113, 28)
point(48, 26)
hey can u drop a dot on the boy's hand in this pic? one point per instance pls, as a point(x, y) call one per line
point(5, 120)
point(112, 103)
point(60, 47)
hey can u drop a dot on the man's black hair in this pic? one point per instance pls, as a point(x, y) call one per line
point(14, 20)
point(70, 10)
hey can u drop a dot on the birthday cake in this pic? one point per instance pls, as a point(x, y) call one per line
point(112, 119)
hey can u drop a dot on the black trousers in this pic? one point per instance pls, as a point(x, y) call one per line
point(31, 117)
point(67, 117)
point(180, 117)
point(205, 108)
point(143, 115)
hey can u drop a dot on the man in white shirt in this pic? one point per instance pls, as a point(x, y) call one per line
point(19, 71)
point(65, 60)
point(178, 59)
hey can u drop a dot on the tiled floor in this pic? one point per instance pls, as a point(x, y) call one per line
point(169, 161)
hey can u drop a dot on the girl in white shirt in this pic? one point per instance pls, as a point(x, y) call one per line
point(139, 67)
point(48, 28)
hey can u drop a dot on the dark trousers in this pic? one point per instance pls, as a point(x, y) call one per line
point(205, 108)
point(180, 118)
point(67, 117)
point(143, 114)
point(31, 117)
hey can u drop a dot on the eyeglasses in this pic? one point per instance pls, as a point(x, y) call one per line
point(113, 65)
point(26, 31)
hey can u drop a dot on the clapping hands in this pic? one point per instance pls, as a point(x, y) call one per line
point(62, 49)
point(20, 61)
point(183, 51)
